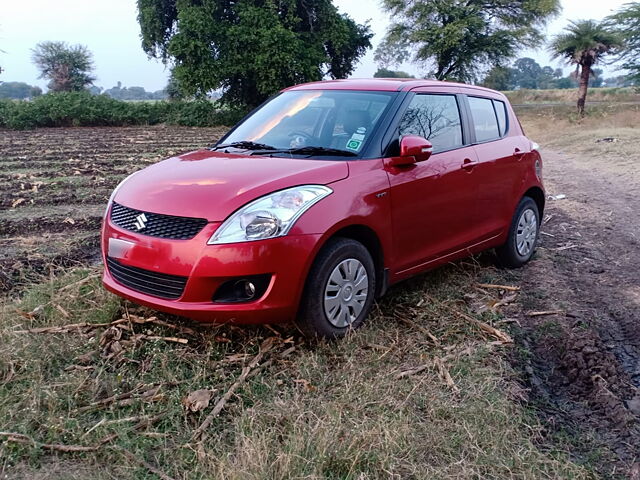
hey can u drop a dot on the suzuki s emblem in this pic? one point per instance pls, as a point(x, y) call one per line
point(141, 221)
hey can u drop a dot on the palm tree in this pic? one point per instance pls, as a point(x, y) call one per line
point(583, 44)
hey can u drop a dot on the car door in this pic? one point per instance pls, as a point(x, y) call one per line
point(498, 171)
point(432, 201)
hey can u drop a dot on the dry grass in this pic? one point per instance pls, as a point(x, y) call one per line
point(544, 124)
point(569, 95)
point(583, 137)
point(330, 410)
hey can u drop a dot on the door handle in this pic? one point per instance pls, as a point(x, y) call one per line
point(468, 164)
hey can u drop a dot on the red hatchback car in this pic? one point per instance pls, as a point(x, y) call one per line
point(323, 197)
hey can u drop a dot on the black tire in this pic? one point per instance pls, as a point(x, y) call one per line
point(508, 254)
point(312, 318)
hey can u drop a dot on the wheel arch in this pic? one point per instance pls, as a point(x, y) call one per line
point(367, 237)
point(537, 195)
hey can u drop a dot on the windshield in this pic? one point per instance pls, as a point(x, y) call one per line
point(310, 121)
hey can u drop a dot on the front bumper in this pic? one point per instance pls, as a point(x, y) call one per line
point(287, 259)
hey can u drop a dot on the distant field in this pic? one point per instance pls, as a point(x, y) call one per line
point(560, 127)
point(570, 95)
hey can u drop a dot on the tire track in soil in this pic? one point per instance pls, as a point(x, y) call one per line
point(585, 370)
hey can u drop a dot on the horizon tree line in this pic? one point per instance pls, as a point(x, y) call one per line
point(249, 50)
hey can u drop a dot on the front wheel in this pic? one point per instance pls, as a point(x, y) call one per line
point(523, 235)
point(339, 291)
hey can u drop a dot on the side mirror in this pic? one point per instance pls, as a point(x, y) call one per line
point(413, 149)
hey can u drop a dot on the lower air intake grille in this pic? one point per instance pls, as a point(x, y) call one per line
point(156, 225)
point(145, 281)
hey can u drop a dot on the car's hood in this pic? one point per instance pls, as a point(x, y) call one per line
point(211, 185)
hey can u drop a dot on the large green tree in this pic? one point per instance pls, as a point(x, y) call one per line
point(500, 78)
point(626, 22)
point(67, 67)
point(584, 44)
point(527, 72)
point(250, 48)
point(458, 39)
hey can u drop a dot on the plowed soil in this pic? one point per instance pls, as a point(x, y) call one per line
point(55, 183)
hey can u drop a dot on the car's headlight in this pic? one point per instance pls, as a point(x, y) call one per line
point(270, 216)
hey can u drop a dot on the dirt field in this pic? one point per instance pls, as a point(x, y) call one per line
point(54, 184)
point(585, 367)
point(423, 392)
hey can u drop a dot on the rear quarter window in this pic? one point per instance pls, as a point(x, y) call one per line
point(485, 121)
point(501, 112)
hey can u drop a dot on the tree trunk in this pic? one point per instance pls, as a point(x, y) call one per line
point(584, 85)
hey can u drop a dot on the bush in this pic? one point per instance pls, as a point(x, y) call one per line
point(5, 107)
point(81, 109)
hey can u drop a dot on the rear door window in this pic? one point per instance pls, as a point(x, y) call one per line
point(484, 118)
point(436, 118)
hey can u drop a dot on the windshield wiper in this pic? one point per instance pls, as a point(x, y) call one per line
point(324, 151)
point(245, 145)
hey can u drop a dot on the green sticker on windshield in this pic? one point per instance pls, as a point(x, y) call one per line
point(357, 139)
point(354, 145)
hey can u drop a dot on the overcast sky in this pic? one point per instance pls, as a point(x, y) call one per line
point(110, 30)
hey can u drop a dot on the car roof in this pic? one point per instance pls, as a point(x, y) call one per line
point(380, 84)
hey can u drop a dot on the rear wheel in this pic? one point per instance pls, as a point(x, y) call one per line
point(339, 291)
point(523, 235)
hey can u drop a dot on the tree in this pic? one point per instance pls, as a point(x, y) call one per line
point(621, 81)
point(67, 67)
point(596, 80)
point(547, 79)
point(500, 78)
point(527, 72)
point(133, 93)
point(18, 90)
point(386, 73)
point(250, 48)
point(388, 55)
point(459, 39)
point(584, 44)
point(565, 83)
point(626, 22)
point(173, 88)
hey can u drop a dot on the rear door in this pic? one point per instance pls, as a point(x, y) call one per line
point(433, 201)
point(498, 172)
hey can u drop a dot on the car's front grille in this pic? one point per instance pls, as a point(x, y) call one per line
point(156, 225)
point(146, 281)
